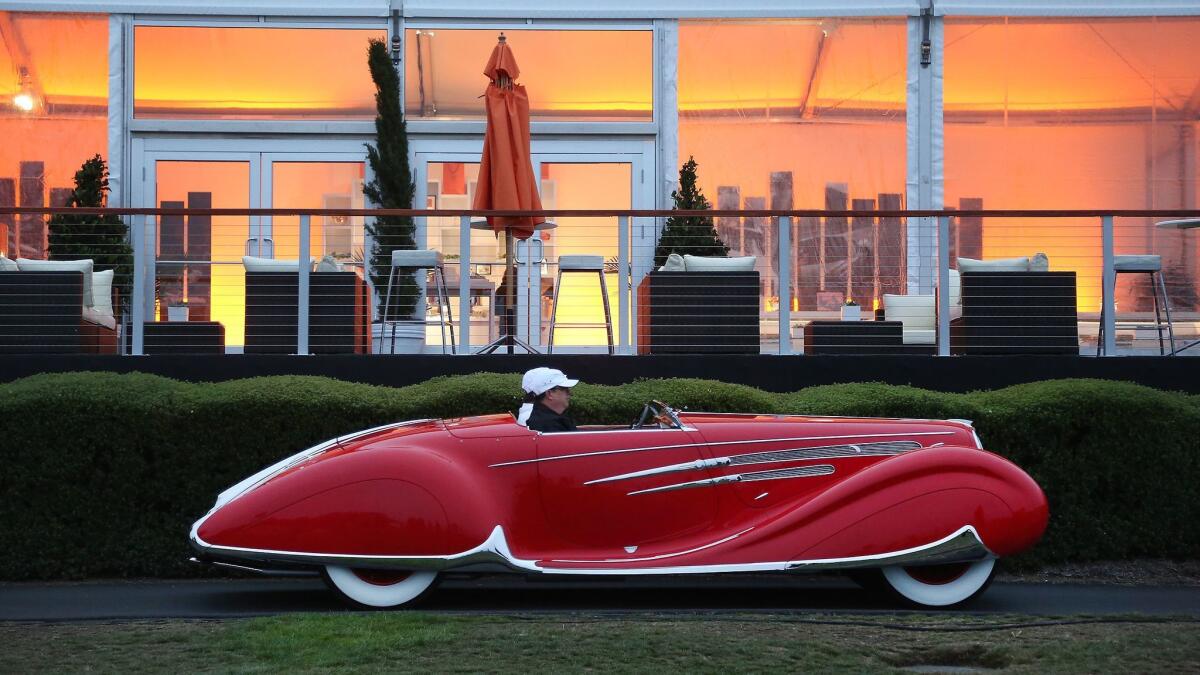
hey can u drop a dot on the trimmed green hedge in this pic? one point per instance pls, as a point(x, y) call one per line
point(102, 474)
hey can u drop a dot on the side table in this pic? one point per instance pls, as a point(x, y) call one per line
point(183, 337)
point(853, 337)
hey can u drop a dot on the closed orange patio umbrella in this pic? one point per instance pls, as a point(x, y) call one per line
point(506, 180)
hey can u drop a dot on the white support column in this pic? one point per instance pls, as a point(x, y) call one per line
point(623, 285)
point(464, 285)
point(943, 287)
point(1109, 281)
point(118, 166)
point(924, 144)
point(303, 289)
point(783, 230)
point(138, 301)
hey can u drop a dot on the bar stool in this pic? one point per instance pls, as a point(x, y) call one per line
point(1142, 264)
point(430, 260)
point(587, 264)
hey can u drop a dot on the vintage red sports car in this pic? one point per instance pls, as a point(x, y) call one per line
point(915, 505)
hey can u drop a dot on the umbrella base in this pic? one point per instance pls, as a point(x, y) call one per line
point(507, 342)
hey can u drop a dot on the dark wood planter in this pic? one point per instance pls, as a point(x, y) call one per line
point(698, 313)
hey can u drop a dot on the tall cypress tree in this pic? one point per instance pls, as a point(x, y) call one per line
point(691, 235)
point(392, 187)
point(104, 239)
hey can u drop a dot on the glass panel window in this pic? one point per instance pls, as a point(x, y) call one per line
point(319, 185)
point(804, 114)
point(252, 73)
point(1075, 114)
point(53, 115)
point(568, 74)
point(199, 258)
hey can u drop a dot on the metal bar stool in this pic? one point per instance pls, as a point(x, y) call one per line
point(587, 264)
point(1143, 264)
point(429, 260)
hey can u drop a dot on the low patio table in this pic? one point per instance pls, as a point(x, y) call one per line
point(183, 337)
point(853, 337)
point(1180, 224)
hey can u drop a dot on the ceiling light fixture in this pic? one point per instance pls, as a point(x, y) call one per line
point(23, 102)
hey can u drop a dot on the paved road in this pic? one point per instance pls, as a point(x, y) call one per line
point(498, 594)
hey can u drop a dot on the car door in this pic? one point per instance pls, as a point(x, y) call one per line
point(590, 502)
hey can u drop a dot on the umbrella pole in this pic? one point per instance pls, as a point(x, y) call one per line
point(510, 267)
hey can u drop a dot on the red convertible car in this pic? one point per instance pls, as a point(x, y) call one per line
point(916, 506)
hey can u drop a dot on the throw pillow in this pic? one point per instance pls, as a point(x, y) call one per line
point(85, 266)
point(102, 292)
point(1039, 263)
point(7, 265)
point(695, 263)
point(255, 264)
point(1001, 265)
point(915, 311)
point(674, 263)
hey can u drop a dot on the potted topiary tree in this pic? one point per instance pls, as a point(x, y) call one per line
point(689, 235)
point(712, 308)
point(391, 188)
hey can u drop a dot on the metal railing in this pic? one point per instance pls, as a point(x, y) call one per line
point(786, 300)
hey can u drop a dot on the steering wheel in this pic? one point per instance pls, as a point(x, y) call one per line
point(653, 410)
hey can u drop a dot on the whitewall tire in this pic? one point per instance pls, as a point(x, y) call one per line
point(376, 588)
point(940, 585)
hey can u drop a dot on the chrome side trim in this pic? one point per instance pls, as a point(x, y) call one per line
point(773, 474)
point(719, 444)
point(964, 545)
point(878, 449)
point(256, 570)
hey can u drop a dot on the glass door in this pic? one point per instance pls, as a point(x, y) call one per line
point(197, 260)
point(574, 175)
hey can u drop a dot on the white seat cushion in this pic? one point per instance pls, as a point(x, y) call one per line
point(101, 318)
point(581, 263)
point(85, 266)
point(7, 265)
point(420, 258)
point(255, 264)
point(916, 312)
point(696, 263)
point(1001, 265)
point(1137, 263)
point(955, 291)
point(919, 336)
point(102, 292)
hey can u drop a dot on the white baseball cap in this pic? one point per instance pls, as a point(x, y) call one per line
point(541, 380)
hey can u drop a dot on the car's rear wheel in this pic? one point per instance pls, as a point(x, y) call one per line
point(378, 589)
point(940, 585)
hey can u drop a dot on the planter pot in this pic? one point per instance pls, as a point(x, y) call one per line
point(177, 313)
point(407, 338)
point(851, 313)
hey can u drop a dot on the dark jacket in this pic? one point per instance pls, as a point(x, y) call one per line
point(547, 421)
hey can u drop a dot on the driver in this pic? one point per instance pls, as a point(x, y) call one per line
point(547, 396)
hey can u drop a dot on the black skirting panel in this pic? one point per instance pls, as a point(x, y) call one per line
point(773, 373)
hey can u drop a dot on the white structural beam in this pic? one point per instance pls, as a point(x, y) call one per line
point(924, 180)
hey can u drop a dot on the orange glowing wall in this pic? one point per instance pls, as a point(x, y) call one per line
point(252, 73)
point(580, 74)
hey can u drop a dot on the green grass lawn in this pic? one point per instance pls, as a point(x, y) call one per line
point(408, 642)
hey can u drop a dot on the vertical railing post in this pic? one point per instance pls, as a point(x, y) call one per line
point(464, 285)
point(784, 228)
point(138, 299)
point(622, 284)
point(1109, 281)
point(943, 286)
point(303, 290)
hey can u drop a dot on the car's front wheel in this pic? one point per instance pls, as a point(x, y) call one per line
point(940, 585)
point(378, 589)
